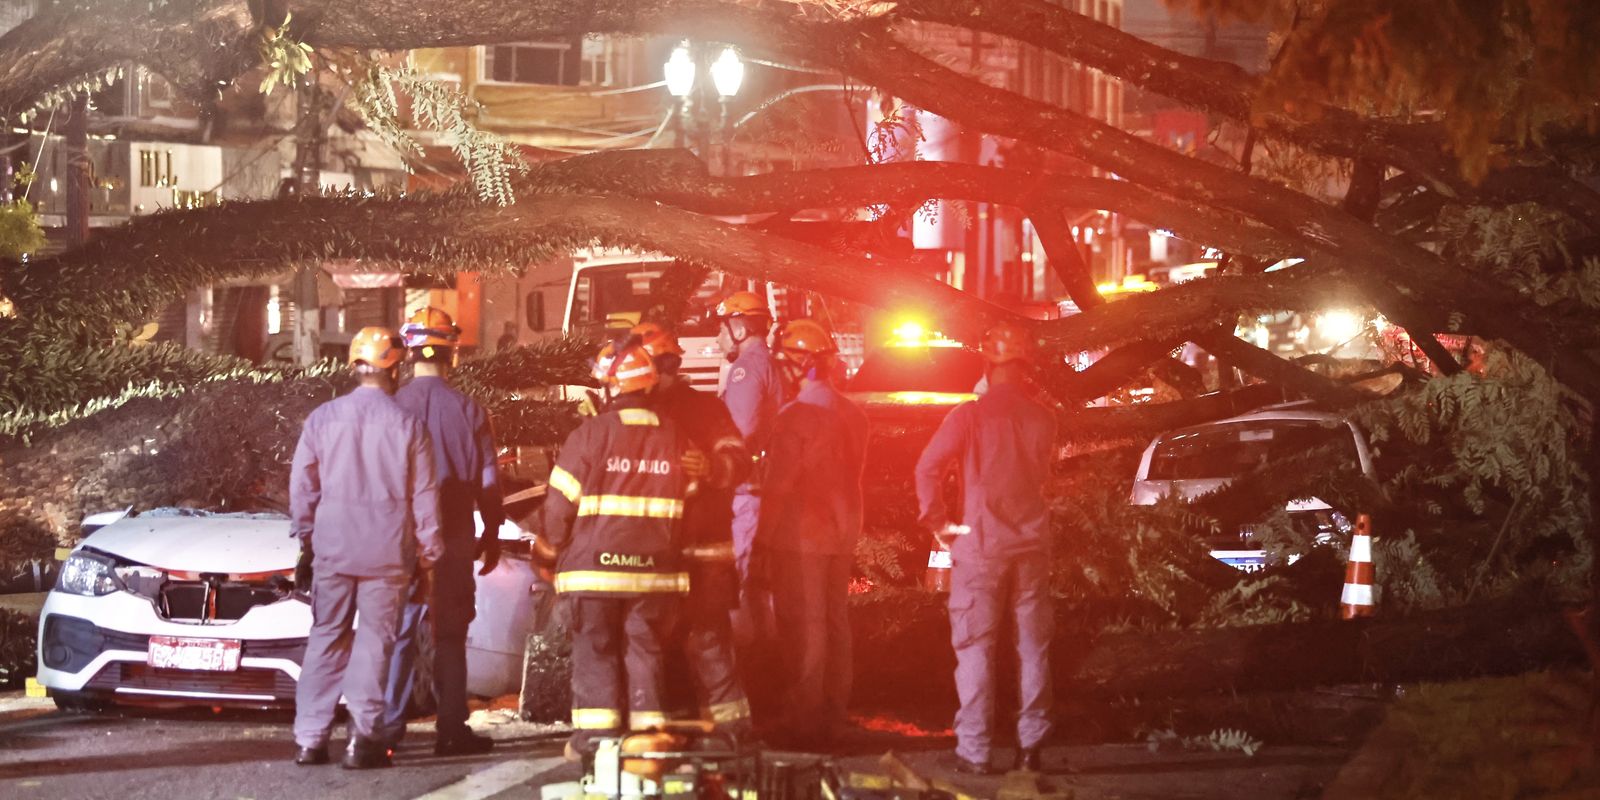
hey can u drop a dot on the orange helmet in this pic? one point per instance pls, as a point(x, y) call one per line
point(743, 304)
point(430, 327)
point(657, 341)
point(625, 366)
point(376, 347)
point(806, 337)
point(1007, 342)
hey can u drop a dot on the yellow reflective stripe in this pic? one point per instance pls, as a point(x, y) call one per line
point(564, 482)
point(638, 416)
point(618, 505)
point(641, 720)
point(605, 581)
point(710, 552)
point(596, 719)
point(732, 711)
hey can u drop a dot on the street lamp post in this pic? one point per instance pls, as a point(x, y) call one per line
point(692, 98)
point(680, 72)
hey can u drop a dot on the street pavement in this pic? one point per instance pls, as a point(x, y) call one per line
point(137, 754)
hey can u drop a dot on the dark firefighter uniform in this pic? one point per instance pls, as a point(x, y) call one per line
point(1003, 443)
point(708, 551)
point(811, 517)
point(613, 516)
point(464, 453)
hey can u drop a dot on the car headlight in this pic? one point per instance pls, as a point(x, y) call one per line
point(87, 574)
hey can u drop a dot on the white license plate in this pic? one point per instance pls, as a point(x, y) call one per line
point(210, 655)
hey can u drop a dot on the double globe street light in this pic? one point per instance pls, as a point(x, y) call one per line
point(693, 97)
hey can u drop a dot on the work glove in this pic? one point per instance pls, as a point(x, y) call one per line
point(696, 465)
point(489, 551)
point(302, 568)
point(948, 533)
point(544, 560)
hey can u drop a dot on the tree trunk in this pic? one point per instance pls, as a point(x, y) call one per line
point(903, 654)
point(308, 182)
point(78, 171)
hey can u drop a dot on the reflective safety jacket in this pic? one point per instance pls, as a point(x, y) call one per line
point(615, 505)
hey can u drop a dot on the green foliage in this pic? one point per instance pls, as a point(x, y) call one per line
point(1524, 736)
point(551, 362)
point(1482, 68)
point(285, 58)
point(230, 448)
point(20, 233)
point(489, 159)
point(54, 382)
point(1489, 477)
point(18, 643)
point(1221, 740)
point(1108, 549)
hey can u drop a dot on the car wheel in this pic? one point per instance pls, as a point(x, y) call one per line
point(423, 702)
point(79, 702)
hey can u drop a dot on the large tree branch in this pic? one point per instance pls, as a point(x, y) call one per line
point(680, 179)
point(1228, 90)
point(155, 258)
point(1402, 279)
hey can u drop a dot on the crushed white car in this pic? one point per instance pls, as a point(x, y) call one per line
point(180, 607)
point(1191, 462)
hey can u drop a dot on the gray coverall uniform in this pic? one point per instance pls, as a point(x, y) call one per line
point(613, 515)
point(362, 492)
point(1003, 441)
point(464, 452)
point(811, 515)
point(707, 637)
point(753, 394)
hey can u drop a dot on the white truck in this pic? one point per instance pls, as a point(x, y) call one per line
point(612, 288)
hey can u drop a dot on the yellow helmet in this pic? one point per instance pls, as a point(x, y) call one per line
point(376, 347)
point(430, 327)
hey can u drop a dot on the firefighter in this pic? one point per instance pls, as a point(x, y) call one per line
point(719, 461)
point(612, 516)
point(1003, 443)
point(464, 453)
point(753, 392)
point(811, 515)
point(364, 503)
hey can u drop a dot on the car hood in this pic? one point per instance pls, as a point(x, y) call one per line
point(229, 545)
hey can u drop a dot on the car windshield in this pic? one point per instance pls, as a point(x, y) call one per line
point(918, 369)
point(1230, 450)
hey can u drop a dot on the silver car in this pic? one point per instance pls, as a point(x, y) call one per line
point(1195, 461)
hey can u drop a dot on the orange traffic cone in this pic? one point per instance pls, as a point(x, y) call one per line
point(937, 578)
point(1356, 600)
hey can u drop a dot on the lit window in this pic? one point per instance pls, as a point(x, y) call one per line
point(553, 63)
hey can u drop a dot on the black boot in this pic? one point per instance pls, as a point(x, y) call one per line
point(1028, 759)
point(311, 756)
point(465, 743)
point(366, 754)
point(966, 767)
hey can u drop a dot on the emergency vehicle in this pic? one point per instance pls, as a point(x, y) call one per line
point(612, 288)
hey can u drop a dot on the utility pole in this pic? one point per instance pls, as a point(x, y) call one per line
point(310, 132)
